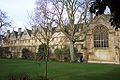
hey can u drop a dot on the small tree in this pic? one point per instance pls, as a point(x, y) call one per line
point(44, 24)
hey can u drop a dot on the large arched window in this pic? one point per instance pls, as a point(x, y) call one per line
point(100, 37)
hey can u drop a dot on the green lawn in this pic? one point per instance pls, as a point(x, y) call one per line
point(59, 70)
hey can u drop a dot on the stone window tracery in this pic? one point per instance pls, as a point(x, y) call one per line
point(100, 37)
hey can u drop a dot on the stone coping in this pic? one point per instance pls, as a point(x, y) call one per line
point(106, 62)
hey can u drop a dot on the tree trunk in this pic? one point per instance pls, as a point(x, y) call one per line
point(72, 52)
point(46, 66)
point(46, 61)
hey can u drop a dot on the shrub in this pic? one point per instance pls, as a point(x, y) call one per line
point(76, 51)
point(58, 52)
point(42, 51)
point(19, 77)
point(27, 77)
point(64, 53)
point(25, 53)
point(4, 52)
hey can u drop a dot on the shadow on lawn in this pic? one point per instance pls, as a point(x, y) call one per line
point(20, 77)
point(112, 75)
point(26, 77)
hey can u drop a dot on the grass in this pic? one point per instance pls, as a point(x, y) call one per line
point(59, 70)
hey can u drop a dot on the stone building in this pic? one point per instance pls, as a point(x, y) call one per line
point(102, 43)
point(1, 40)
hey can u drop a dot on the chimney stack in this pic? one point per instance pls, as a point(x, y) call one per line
point(19, 31)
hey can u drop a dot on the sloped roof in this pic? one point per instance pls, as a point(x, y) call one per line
point(29, 32)
point(101, 20)
point(103, 16)
point(9, 35)
point(16, 33)
point(45, 29)
point(21, 34)
point(1, 37)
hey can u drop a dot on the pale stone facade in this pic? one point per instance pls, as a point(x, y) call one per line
point(1, 40)
point(110, 53)
point(105, 48)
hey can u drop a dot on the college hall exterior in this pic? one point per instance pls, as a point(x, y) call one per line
point(102, 43)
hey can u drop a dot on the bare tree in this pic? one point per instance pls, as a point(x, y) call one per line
point(69, 15)
point(4, 21)
point(42, 21)
point(72, 15)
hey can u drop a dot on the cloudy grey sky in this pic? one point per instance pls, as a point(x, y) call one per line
point(18, 10)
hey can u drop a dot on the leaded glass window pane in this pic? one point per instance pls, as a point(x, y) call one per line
point(100, 37)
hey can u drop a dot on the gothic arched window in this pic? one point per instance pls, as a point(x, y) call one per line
point(100, 37)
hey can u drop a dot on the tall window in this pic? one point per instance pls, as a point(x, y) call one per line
point(100, 37)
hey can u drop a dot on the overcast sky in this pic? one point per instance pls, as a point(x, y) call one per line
point(18, 10)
